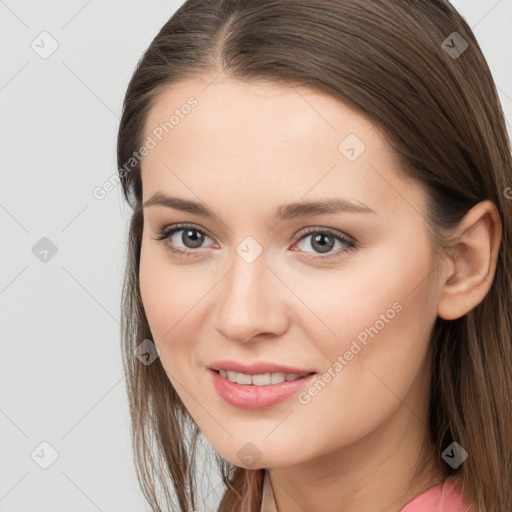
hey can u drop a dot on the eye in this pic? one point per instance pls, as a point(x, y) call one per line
point(324, 240)
point(190, 236)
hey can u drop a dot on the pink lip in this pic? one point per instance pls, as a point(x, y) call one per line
point(257, 368)
point(257, 397)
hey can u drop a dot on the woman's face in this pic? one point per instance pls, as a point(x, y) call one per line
point(338, 290)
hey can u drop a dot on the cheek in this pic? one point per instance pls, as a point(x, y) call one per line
point(173, 297)
point(164, 294)
point(380, 316)
point(382, 335)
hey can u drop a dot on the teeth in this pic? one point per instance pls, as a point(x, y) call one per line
point(241, 378)
point(263, 379)
point(278, 377)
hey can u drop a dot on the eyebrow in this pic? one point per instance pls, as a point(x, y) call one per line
point(284, 212)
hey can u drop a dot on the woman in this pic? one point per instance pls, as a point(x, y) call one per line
point(319, 259)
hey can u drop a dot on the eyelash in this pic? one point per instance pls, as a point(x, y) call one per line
point(165, 234)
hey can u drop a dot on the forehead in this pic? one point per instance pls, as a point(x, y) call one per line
point(248, 139)
point(265, 110)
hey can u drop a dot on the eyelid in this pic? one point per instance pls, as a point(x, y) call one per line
point(176, 227)
point(318, 229)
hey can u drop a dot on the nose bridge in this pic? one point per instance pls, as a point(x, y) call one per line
point(248, 299)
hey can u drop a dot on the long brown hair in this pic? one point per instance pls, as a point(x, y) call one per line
point(440, 111)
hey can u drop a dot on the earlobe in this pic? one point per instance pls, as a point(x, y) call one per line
point(473, 262)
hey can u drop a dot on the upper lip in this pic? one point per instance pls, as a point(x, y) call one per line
point(258, 368)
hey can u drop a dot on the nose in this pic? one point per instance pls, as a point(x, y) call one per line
point(251, 301)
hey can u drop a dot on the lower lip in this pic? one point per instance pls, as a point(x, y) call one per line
point(257, 397)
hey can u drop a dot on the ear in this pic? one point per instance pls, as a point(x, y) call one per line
point(472, 265)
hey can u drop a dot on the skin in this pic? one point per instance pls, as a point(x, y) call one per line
point(243, 151)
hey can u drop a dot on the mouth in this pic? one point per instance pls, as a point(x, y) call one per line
point(260, 379)
point(258, 390)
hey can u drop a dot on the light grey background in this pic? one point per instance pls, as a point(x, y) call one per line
point(60, 367)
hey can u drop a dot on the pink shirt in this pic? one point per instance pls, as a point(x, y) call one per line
point(445, 497)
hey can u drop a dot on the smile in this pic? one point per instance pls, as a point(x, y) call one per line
point(259, 391)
